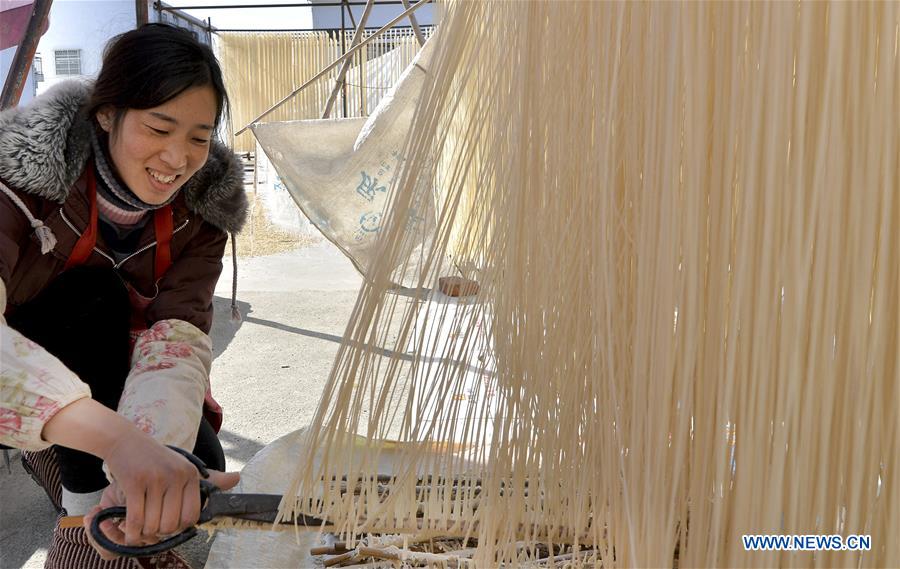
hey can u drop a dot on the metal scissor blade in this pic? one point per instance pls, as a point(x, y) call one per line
point(240, 505)
point(253, 507)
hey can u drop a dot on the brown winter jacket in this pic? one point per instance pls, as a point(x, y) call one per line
point(185, 291)
point(44, 151)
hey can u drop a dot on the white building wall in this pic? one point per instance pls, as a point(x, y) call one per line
point(6, 59)
point(86, 25)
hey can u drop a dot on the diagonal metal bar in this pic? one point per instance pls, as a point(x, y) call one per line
point(346, 4)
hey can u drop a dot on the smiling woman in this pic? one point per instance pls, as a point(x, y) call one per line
point(157, 150)
point(115, 204)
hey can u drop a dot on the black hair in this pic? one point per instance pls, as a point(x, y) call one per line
point(153, 64)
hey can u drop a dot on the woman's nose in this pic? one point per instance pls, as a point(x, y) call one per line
point(175, 155)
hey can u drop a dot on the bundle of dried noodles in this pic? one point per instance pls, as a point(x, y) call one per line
point(685, 224)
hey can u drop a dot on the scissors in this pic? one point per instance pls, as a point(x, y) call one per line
point(261, 508)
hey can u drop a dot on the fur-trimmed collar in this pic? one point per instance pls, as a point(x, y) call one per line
point(45, 145)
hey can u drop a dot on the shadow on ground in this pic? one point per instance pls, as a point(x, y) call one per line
point(26, 515)
point(237, 447)
point(223, 329)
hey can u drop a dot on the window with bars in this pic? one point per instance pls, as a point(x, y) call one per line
point(68, 61)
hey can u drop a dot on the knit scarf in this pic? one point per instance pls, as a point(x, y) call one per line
point(115, 199)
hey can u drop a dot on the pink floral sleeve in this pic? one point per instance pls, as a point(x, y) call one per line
point(169, 376)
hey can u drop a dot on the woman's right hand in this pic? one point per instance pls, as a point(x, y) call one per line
point(180, 507)
point(160, 488)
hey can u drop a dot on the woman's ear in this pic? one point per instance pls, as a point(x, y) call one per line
point(105, 117)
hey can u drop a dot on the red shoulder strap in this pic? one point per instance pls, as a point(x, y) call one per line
point(163, 224)
point(85, 244)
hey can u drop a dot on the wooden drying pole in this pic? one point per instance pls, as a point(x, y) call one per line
point(18, 71)
point(334, 63)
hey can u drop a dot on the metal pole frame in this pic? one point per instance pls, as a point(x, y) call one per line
point(18, 71)
point(288, 5)
point(337, 83)
point(340, 84)
point(335, 63)
point(415, 25)
point(346, 4)
point(141, 12)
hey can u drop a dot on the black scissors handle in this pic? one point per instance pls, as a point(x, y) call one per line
point(206, 489)
point(134, 550)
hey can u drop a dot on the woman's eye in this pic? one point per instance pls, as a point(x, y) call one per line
point(200, 140)
point(157, 131)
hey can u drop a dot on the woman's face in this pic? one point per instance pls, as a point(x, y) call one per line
point(156, 151)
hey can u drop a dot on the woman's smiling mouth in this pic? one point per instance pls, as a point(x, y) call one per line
point(162, 178)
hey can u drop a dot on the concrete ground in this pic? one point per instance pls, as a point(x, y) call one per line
point(268, 374)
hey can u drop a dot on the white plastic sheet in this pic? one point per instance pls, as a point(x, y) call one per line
point(269, 472)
